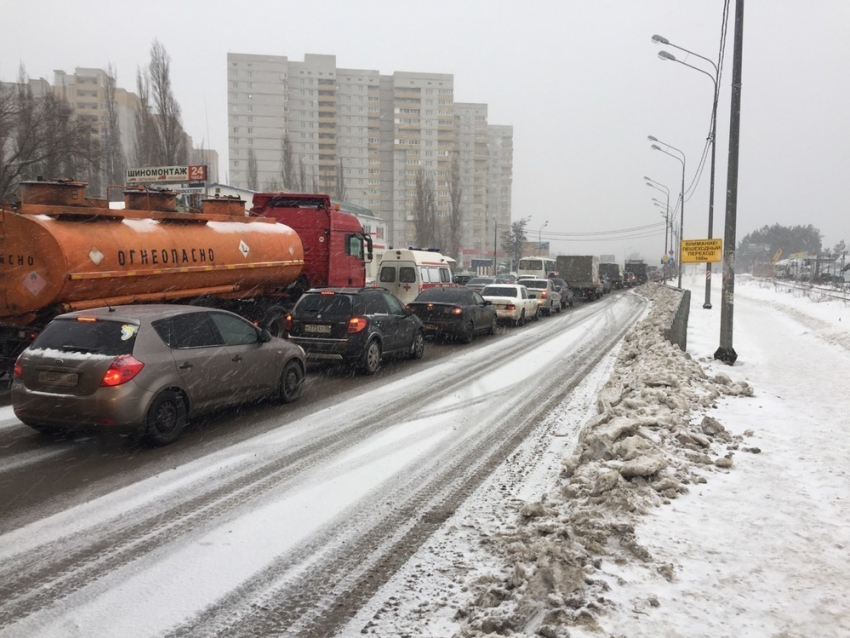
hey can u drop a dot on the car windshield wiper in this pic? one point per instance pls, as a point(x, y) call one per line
point(81, 349)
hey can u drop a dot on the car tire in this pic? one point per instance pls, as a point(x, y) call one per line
point(417, 349)
point(273, 321)
point(291, 382)
point(468, 332)
point(536, 315)
point(521, 321)
point(558, 308)
point(166, 418)
point(370, 362)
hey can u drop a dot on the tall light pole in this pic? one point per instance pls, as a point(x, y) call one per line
point(711, 136)
point(655, 147)
point(726, 352)
point(661, 187)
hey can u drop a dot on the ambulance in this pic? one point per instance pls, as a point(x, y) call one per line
point(406, 273)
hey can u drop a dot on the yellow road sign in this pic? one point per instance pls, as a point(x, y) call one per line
point(695, 251)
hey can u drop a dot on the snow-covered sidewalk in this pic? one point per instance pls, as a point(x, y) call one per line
point(701, 500)
point(760, 550)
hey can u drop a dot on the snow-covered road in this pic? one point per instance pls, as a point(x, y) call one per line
point(267, 535)
point(745, 537)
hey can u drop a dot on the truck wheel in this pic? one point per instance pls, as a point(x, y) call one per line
point(418, 347)
point(291, 382)
point(371, 359)
point(273, 320)
point(166, 418)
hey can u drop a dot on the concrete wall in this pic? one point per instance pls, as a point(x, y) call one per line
point(676, 331)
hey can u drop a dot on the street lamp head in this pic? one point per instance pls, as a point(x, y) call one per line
point(658, 39)
point(651, 138)
point(655, 147)
point(647, 178)
point(664, 55)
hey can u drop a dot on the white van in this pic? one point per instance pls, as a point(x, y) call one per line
point(538, 267)
point(406, 273)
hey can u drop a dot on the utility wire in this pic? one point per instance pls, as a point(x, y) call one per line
point(557, 234)
point(711, 138)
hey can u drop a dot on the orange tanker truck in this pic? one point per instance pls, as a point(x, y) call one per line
point(60, 251)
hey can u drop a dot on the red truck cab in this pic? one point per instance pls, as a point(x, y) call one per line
point(335, 247)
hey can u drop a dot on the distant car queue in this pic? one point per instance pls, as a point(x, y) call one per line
point(150, 368)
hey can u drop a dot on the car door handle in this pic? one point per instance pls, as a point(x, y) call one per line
point(237, 358)
point(186, 366)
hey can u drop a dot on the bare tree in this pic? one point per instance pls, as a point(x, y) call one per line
point(272, 185)
point(341, 191)
point(144, 153)
point(287, 168)
point(171, 139)
point(253, 177)
point(112, 162)
point(301, 185)
point(41, 137)
point(514, 238)
point(160, 138)
point(425, 210)
point(453, 231)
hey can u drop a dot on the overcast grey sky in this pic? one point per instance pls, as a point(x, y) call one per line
point(580, 81)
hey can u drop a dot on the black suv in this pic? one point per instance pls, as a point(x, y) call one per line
point(356, 325)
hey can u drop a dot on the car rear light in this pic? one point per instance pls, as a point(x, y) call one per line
point(544, 295)
point(287, 324)
point(457, 311)
point(327, 292)
point(357, 324)
point(19, 370)
point(510, 306)
point(121, 371)
point(87, 319)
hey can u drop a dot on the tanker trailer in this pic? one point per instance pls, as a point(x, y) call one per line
point(60, 252)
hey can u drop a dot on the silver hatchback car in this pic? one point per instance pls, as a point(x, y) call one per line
point(149, 368)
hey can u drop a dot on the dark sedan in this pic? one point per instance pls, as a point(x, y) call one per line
point(454, 312)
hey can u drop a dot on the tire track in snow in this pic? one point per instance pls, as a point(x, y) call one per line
point(33, 580)
point(319, 585)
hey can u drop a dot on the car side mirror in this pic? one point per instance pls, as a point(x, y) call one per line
point(265, 336)
point(487, 302)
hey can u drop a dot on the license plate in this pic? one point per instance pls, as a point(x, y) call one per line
point(65, 379)
point(317, 329)
point(430, 326)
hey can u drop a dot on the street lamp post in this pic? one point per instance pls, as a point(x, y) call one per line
point(726, 352)
point(668, 226)
point(540, 236)
point(655, 147)
point(711, 136)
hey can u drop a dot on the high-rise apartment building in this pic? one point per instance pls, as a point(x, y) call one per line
point(87, 93)
point(361, 136)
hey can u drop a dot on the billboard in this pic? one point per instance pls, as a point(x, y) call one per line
point(696, 251)
point(167, 174)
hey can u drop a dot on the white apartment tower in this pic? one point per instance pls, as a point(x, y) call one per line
point(358, 135)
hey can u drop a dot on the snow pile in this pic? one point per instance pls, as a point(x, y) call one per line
point(648, 443)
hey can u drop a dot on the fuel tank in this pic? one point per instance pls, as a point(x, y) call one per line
point(79, 253)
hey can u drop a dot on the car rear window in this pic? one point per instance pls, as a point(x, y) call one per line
point(112, 338)
point(332, 305)
point(535, 283)
point(499, 291)
point(479, 280)
point(446, 295)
